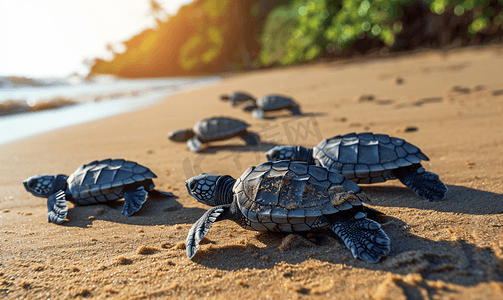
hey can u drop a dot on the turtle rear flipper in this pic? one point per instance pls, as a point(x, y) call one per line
point(424, 184)
point(194, 144)
point(57, 208)
point(201, 227)
point(364, 237)
point(133, 200)
point(258, 113)
point(250, 106)
point(251, 138)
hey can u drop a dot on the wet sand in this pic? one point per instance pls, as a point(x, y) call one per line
point(449, 104)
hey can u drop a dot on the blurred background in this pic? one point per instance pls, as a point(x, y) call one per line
point(158, 38)
point(59, 53)
point(211, 36)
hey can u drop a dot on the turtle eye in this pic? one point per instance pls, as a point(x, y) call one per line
point(32, 184)
point(193, 185)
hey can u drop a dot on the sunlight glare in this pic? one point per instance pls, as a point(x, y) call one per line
point(54, 37)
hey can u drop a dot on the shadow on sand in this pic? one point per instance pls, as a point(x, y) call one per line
point(261, 147)
point(454, 261)
point(155, 211)
point(459, 199)
point(283, 114)
point(438, 255)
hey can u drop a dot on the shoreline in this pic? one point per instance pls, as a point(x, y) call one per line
point(450, 106)
point(26, 124)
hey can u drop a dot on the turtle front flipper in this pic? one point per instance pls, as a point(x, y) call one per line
point(251, 138)
point(424, 184)
point(363, 236)
point(194, 144)
point(258, 113)
point(133, 200)
point(57, 208)
point(295, 111)
point(201, 227)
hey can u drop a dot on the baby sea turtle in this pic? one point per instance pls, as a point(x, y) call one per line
point(289, 196)
point(238, 97)
point(214, 129)
point(95, 182)
point(272, 103)
point(369, 158)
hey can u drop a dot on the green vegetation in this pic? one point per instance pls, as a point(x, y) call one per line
point(303, 30)
point(215, 36)
point(484, 13)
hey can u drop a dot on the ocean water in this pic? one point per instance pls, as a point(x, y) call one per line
point(99, 98)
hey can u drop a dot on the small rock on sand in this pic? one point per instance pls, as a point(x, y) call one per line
point(365, 98)
point(497, 92)
point(479, 88)
point(340, 119)
point(403, 129)
point(457, 89)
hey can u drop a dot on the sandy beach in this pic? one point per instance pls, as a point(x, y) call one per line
point(447, 103)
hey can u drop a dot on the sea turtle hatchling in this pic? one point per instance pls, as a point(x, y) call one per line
point(92, 183)
point(214, 129)
point(289, 196)
point(272, 103)
point(369, 158)
point(238, 97)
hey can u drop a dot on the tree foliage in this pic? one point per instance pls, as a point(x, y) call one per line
point(302, 30)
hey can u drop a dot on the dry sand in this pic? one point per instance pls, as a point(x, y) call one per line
point(450, 104)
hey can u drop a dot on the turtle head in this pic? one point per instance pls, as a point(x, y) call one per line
point(224, 97)
point(282, 153)
point(45, 185)
point(203, 188)
point(211, 189)
point(181, 135)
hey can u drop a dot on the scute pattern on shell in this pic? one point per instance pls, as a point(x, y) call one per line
point(241, 96)
point(102, 181)
point(218, 128)
point(293, 196)
point(366, 157)
point(274, 102)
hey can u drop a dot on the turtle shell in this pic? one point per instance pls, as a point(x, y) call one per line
point(366, 157)
point(241, 96)
point(275, 102)
point(293, 196)
point(219, 128)
point(106, 180)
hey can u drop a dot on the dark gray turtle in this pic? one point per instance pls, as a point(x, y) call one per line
point(369, 158)
point(272, 103)
point(95, 182)
point(289, 196)
point(214, 129)
point(238, 97)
